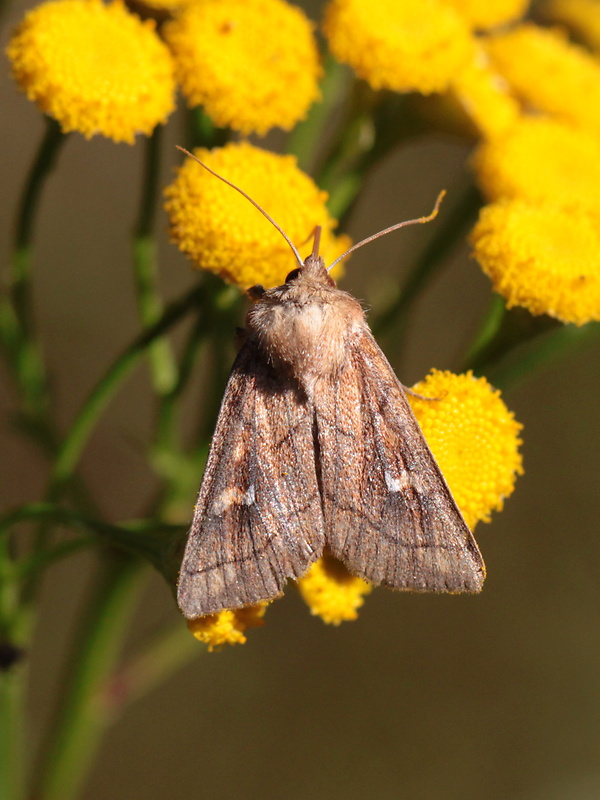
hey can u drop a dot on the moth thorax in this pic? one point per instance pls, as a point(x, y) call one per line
point(309, 340)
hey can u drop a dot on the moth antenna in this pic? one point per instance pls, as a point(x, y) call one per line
point(247, 196)
point(316, 241)
point(395, 227)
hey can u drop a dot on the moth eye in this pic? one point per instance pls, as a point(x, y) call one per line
point(293, 274)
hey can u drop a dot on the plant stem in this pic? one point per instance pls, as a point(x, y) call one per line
point(17, 333)
point(375, 124)
point(42, 167)
point(12, 713)
point(150, 307)
point(82, 719)
point(14, 635)
point(307, 137)
point(488, 331)
point(528, 357)
point(202, 132)
point(106, 387)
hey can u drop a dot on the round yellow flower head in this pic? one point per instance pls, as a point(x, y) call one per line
point(542, 160)
point(403, 45)
point(541, 257)
point(252, 64)
point(95, 68)
point(484, 97)
point(222, 232)
point(582, 17)
point(227, 627)
point(331, 592)
point(489, 14)
point(549, 73)
point(474, 438)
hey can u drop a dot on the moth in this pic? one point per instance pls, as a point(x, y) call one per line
point(316, 448)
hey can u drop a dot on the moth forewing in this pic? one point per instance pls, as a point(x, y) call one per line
point(258, 518)
point(389, 515)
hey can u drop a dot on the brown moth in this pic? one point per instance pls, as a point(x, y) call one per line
point(316, 447)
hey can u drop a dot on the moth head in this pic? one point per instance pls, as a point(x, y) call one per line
point(313, 267)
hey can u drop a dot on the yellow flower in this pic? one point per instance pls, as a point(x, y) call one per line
point(95, 68)
point(490, 13)
point(222, 232)
point(252, 64)
point(227, 627)
point(474, 438)
point(549, 73)
point(542, 160)
point(485, 97)
point(403, 45)
point(582, 17)
point(331, 592)
point(541, 257)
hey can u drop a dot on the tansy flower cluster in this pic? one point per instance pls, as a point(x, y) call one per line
point(410, 46)
point(475, 440)
point(538, 165)
point(253, 65)
point(97, 68)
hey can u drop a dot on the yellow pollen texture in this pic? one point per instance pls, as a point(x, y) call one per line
point(95, 68)
point(399, 45)
point(227, 627)
point(542, 160)
point(252, 64)
point(549, 73)
point(331, 592)
point(474, 438)
point(542, 258)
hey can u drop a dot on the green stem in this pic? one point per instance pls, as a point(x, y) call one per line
point(150, 305)
point(527, 358)
point(166, 427)
point(202, 132)
point(82, 719)
point(155, 541)
point(488, 331)
point(14, 635)
point(446, 235)
point(307, 137)
point(12, 719)
point(42, 167)
point(106, 387)
point(16, 317)
point(219, 311)
point(375, 124)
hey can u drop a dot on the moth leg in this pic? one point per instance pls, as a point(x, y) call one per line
point(412, 393)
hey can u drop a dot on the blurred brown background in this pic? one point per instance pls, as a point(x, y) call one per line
point(494, 697)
